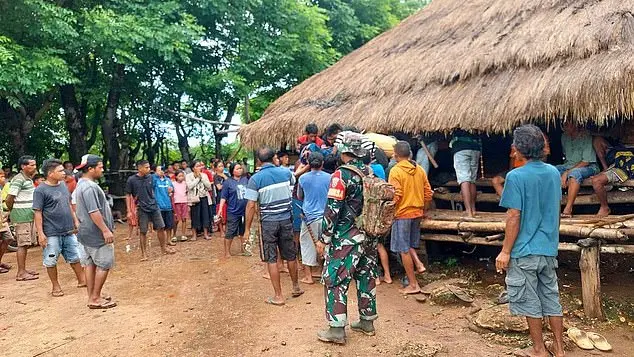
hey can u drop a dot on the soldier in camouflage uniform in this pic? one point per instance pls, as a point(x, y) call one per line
point(348, 253)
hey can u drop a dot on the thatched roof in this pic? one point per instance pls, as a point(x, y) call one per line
point(485, 65)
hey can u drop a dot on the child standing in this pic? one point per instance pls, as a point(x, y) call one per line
point(181, 209)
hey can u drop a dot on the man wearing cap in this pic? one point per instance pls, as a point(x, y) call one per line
point(346, 257)
point(95, 232)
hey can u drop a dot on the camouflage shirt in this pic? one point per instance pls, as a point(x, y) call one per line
point(345, 204)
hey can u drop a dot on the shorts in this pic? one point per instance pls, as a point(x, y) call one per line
point(25, 234)
point(466, 163)
point(307, 242)
point(278, 234)
point(615, 175)
point(581, 173)
point(6, 235)
point(405, 235)
point(145, 217)
point(56, 245)
point(297, 215)
point(531, 283)
point(235, 227)
point(102, 257)
point(181, 210)
point(168, 219)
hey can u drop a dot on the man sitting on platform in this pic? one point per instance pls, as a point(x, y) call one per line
point(580, 163)
point(532, 197)
point(621, 170)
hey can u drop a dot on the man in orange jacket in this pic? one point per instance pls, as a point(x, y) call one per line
point(413, 195)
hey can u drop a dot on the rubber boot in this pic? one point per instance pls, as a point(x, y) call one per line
point(333, 335)
point(363, 326)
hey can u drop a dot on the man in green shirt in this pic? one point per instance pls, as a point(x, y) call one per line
point(20, 203)
point(580, 162)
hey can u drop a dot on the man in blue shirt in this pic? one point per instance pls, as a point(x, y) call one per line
point(532, 195)
point(163, 191)
point(271, 189)
point(313, 190)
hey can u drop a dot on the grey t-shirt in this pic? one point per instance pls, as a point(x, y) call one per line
point(54, 203)
point(91, 198)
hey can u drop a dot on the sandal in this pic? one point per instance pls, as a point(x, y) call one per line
point(297, 293)
point(3, 270)
point(580, 338)
point(5, 266)
point(599, 342)
point(106, 305)
point(270, 301)
point(59, 293)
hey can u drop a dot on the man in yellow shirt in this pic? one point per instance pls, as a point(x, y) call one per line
point(412, 195)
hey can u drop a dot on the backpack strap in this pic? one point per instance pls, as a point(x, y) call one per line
point(357, 171)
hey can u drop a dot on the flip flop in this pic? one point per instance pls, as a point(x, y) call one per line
point(5, 266)
point(57, 293)
point(32, 272)
point(599, 342)
point(421, 298)
point(298, 293)
point(27, 278)
point(106, 305)
point(566, 215)
point(580, 338)
point(271, 302)
point(81, 286)
point(402, 291)
point(3, 270)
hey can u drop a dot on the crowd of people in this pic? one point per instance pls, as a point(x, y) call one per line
point(309, 215)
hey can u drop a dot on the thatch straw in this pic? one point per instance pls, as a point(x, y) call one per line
point(482, 65)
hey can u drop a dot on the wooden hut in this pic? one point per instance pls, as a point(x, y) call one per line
point(480, 65)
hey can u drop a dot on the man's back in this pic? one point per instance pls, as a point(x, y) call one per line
point(271, 188)
point(91, 198)
point(315, 186)
point(411, 185)
point(535, 190)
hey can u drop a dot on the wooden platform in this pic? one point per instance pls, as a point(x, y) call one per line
point(614, 197)
point(487, 182)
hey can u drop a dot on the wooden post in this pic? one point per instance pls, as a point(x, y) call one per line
point(591, 282)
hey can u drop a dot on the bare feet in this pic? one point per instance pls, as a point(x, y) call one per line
point(284, 270)
point(410, 290)
point(378, 281)
point(603, 212)
point(421, 269)
point(387, 280)
point(143, 259)
point(169, 251)
point(307, 281)
point(266, 275)
point(530, 352)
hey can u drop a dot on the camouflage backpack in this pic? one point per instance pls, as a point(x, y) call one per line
point(378, 204)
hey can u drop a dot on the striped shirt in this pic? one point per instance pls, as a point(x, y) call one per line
point(271, 188)
point(22, 188)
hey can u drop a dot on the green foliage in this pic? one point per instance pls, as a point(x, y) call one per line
point(202, 57)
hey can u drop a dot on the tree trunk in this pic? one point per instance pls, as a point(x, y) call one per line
point(231, 111)
point(183, 144)
point(19, 122)
point(110, 126)
point(75, 123)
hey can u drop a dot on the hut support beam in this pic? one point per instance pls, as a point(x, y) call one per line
point(591, 282)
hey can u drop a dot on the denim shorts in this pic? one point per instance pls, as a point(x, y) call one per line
point(580, 173)
point(531, 283)
point(67, 246)
point(466, 163)
point(405, 235)
point(102, 257)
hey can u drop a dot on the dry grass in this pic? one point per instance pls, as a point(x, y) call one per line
point(483, 65)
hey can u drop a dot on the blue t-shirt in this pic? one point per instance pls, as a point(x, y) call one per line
point(315, 185)
point(535, 190)
point(271, 188)
point(161, 186)
point(233, 191)
point(378, 170)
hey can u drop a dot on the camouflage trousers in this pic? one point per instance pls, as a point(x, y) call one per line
point(342, 265)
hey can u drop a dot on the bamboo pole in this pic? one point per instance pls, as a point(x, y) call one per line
point(567, 247)
point(497, 227)
point(613, 197)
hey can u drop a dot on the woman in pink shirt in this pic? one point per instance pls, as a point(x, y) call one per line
point(181, 209)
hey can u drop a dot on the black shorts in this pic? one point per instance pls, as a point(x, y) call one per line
point(278, 234)
point(235, 226)
point(146, 217)
point(168, 219)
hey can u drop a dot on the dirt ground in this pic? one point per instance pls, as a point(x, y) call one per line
point(195, 304)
